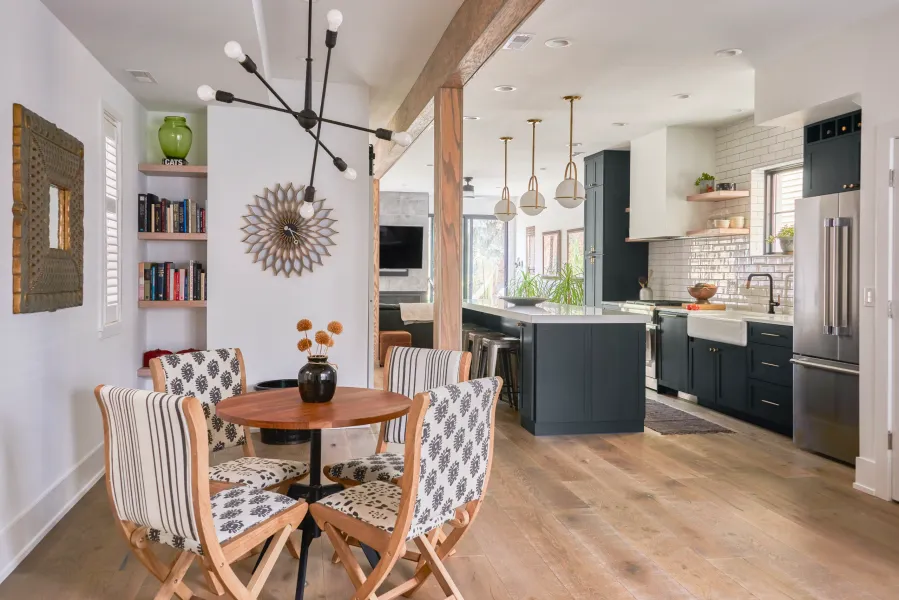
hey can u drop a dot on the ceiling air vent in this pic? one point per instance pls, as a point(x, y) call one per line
point(141, 76)
point(518, 41)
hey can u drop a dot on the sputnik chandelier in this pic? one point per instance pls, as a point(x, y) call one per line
point(307, 118)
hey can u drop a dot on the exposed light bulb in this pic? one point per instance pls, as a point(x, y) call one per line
point(350, 173)
point(402, 138)
point(233, 50)
point(206, 93)
point(307, 210)
point(335, 18)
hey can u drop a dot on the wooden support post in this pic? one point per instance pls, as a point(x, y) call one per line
point(376, 254)
point(448, 218)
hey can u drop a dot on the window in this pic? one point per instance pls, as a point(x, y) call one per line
point(552, 249)
point(782, 188)
point(112, 272)
point(531, 248)
point(575, 250)
point(485, 256)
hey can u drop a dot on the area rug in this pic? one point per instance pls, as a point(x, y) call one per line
point(668, 420)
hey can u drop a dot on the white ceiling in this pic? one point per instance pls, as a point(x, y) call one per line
point(628, 60)
point(382, 43)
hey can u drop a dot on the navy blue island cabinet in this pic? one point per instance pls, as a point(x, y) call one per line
point(582, 368)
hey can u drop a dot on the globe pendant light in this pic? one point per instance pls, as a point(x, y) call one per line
point(571, 192)
point(505, 208)
point(532, 202)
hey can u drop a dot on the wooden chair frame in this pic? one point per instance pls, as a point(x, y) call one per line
point(217, 558)
point(392, 546)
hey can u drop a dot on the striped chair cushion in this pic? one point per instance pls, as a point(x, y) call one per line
point(150, 460)
point(210, 377)
point(413, 371)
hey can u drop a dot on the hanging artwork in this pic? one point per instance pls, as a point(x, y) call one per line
point(280, 238)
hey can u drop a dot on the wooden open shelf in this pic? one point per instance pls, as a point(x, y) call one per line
point(172, 237)
point(143, 372)
point(716, 232)
point(199, 171)
point(716, 196)
point(171, 304)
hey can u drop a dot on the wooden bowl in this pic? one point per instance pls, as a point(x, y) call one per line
point(702, 294)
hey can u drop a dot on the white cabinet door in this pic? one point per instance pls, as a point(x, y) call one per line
point(648, 183)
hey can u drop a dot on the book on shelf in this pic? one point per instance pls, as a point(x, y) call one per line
point(166, 282)
point(161, 215)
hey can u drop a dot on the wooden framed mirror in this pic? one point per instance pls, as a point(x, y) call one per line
point(48, 215)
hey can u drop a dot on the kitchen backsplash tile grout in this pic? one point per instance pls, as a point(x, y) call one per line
point(726, 261)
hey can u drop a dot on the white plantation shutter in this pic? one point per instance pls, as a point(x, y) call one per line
point(112, 299)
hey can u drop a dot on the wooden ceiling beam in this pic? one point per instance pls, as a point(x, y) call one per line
point(479, 28)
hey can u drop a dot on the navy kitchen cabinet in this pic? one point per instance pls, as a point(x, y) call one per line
point(673, 352)
point(832, 162)
point(718, 374)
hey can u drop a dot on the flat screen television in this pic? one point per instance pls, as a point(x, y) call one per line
point(401, 247)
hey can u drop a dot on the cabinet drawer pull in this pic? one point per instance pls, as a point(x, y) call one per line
point(771, 403)
point(771, 334)
point(767, 364)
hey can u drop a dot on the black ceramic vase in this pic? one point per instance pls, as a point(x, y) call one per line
point(317, 380)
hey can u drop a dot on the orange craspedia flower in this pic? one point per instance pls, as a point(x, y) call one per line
point(331, 343)
point(322, 337)
point(304, 325)
point(335, 327)
point(304, 344)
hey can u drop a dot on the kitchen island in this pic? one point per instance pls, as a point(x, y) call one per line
point(582, 367)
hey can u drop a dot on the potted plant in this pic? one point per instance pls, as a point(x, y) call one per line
point(317, 379)
point(705, 183)
point(568, 287)
point(785, 235)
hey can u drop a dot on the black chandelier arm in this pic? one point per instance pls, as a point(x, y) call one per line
point(321, 111)
point(308, 103)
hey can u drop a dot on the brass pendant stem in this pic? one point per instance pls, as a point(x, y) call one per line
point(505, 193)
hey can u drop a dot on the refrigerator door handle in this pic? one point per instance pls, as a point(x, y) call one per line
point(825, 277)
point(843, 228)
point(835, 299)
point(823, 366)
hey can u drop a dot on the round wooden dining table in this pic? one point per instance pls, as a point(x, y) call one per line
point(283, 409)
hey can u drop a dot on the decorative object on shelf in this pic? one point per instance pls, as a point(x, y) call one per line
point(721, 223)
point(705, 183)
point(175, 138)
point(307, 118)
point(725, 187)
point(702, 292)
point(48, 215)
point(571, 192)
point(281, 237)
point(532, 202)
point(738, 222)
point(317, 380)
point(785, 235)
point(645, 290)
point(505, 209)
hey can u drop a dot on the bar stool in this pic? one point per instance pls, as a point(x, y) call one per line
point(501, 353)
point(474, 345)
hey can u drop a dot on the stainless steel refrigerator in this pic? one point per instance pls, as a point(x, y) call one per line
point(825, 326)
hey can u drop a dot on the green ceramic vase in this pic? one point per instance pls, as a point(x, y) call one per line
point(175, 137)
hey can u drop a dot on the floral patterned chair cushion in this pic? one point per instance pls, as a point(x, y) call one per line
point(377, 467)
point(258, 473)
point(233, 512)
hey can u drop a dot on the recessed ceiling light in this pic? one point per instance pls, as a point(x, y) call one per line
point(575, 145)
point(619, 124)
point(682, 96)
point(505, 88)
point(738, 110)
point(576, 153)
point(557, 43)
point(429, 165)
point(728, 52)
point(542, 168)
point(471, 118)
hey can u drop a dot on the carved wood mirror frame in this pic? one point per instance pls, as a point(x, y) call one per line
point(46, 278)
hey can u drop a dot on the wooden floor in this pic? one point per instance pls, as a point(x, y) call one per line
point(731, 516)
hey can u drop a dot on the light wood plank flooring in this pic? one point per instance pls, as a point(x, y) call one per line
point(643, 516)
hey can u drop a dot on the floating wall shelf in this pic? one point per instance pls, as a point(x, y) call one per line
point(718, 196)
point(172, 237)
point(174, 171)
point(171, 304)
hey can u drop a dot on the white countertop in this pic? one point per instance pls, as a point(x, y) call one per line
point(743, 315)
point(549, 312)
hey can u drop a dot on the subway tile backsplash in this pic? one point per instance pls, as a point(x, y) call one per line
point(725, 261)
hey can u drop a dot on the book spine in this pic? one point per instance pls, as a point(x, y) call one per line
point(178, 295)
point(152, 282)
point(193, 216)
point(203, 285)
point(169, 217)
point(153, 219)
point(145, 295)
point(190, 279)
point(141, 212)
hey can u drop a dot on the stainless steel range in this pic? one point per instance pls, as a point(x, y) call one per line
point(648, 307)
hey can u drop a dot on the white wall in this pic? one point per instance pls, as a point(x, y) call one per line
point(799, 79)
point(51, 433)
point(251, 149)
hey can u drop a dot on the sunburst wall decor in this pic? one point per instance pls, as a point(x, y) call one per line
point(280, 238)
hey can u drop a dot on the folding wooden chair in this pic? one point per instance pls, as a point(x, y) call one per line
point(448, 455)
point(156, 467)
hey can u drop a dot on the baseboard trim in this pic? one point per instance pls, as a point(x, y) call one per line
point(31, 525)
point(865, 475)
